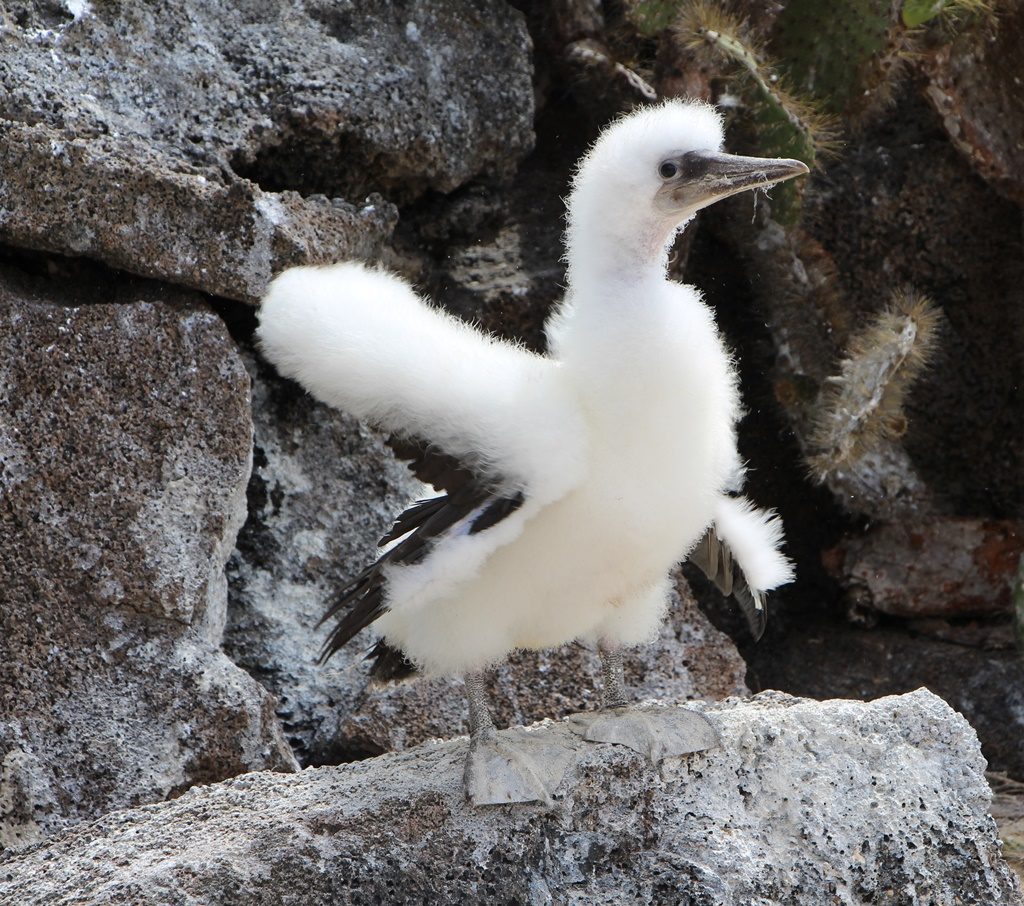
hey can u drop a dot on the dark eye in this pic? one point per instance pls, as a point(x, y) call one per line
point(668, 169)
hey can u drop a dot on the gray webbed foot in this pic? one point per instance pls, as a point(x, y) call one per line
point(513, 766)
point(657, 733)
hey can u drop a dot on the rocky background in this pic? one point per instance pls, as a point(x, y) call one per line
point(174, 516)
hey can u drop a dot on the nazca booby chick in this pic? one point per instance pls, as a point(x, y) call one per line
point(569, 483)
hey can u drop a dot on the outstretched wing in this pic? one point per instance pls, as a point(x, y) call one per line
point(486, 422)
point(740, 554)
point(361, 340)
point(468, 502)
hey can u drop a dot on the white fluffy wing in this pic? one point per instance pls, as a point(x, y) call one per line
point(754, 536)
point(740, 554)
point(361, 340)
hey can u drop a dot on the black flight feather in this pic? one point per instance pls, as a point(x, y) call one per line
point(361, 600)
point(389, 663)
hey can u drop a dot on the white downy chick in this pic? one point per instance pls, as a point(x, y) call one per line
point(574, 481)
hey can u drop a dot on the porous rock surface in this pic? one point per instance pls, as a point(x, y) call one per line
point(805, 803)
point(133, 207)
point(323, 489)
point(156, 141)
point(982, 679)
point(943, 566)
point(125, 443)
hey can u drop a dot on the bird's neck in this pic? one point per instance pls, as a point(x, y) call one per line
point(616, 301)
point(603, 255)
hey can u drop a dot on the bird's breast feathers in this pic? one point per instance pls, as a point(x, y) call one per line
point(666, 405)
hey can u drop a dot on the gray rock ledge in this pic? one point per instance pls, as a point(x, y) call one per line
point(806, 803)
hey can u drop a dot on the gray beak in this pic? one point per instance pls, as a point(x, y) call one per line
point(708, 176)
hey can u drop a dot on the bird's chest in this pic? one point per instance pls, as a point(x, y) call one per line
point(662, 432)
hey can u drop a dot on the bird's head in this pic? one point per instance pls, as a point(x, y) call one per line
point(651, 171)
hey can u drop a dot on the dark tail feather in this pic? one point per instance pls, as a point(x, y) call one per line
point(389, 663)
point(414, 517)
point(753, 607)
point(715, 560)
point(363, 596)
point(495, 512)
point(361, 600)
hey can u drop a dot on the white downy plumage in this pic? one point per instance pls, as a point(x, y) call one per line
point(621, 438)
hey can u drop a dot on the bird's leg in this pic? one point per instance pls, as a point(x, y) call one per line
point(506, 767)
point(481, 725)
point(656, 733)
point(613, 689)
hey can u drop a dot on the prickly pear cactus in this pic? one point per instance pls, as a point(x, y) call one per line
point(919, 12)
point(783, 123)
point(842, 54)
point(863, 403)
point(651, 17)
